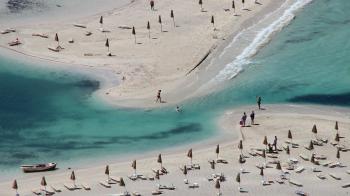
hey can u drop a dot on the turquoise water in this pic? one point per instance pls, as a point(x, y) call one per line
point(50, 116)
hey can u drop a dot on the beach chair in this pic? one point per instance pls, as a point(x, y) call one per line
point(301, 193)
point(123, 194)
point(320, 157)
point(105, 184)
point(86, 187)
point(115, 179)
point(272, 156)
point(193, 186)
point(56, 189)
point(296, 183)
point(321, 176)
point(334, 176)
point(325, 163)
point(304, 157)
point(220, 160)
point(36, 192)
point(315, 169)
point(135, 193)
point(70, 187)
point(299, 169)
point(157, 192)
point(346, 185)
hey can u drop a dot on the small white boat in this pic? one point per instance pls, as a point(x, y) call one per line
point(38, 167)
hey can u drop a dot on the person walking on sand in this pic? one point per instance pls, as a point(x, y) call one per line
point(178, 109)
point(244, 118)
point(258, 101)
point(252, 116)
point(275, 143)
point(152, 4)
point(159, 98)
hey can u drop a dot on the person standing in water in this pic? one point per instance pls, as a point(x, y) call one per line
point(244, 118)
point(178, 109)
point(159, 98)
point(258, 101)
point(252, 116)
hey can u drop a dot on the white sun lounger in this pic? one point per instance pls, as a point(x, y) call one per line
point(79, 25)
point(304, 157)
point(315, 169)
point(56, 189)
point(122, 194)
point(296, 183)
point(347, 185)
point(48, 192)
point(299, 169)
point(157, 192)
point(194, 185)
point(86, 187)
point(70, 187)
point(36, 192)
point(326, 163)
point(334, 176)
point(105, 184)
point(136, 193)
point(115, 179)
point(333, 165)
point(321, 176)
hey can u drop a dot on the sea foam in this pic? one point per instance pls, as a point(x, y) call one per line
point(262, 37)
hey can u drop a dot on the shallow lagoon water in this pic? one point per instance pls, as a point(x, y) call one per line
point(50, 116)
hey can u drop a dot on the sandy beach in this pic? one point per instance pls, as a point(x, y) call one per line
point(274, 120)
point(170, 60)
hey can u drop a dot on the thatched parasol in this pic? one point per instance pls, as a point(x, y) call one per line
point(217, 151)
point(336, 126)
point(133, 165)
point(107, 172)
point(160, 22)
point(72, 177)
point(240, 145)
point(172, 16)
point(278, 166)
point(190, 155)
point(337, 138)
point(311, 145)
point(149, 30)
point(134, 33)
point(314, 130)
point(15, 186)
point(160, 161)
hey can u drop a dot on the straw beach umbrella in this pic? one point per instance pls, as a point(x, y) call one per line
point(72, 177)
point(57, 40)
point(311, 145)
point(240, 146)
point(184, 171)
point(172, 16)
point(243, 4)
point(241, 161)
point(107, 172)
point(218, 186)
point(288, 151)
point(101, 21)
point(336, 126)
point(234, 7)
point(262, 173)
point(160, 161)
point(190, 155)
point(314, 130)
point(212, 21)
point(134, 33)
point(265, 142)
point(337, 138)
point(290, 136)
point(312, 159)
point(43, 182)
point(107, 44)
point(15, 186)
point(133, 165)
point(200, 2)
point(217, 151)
point(122, 183)
point(149, 30)
point(338, 154)
point(238, 179)
point(160, 22)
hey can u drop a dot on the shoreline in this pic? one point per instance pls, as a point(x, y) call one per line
point(276, 113)
point(143, 98)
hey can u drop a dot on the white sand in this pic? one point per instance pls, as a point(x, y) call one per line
point(275, 120)
point(158, 63)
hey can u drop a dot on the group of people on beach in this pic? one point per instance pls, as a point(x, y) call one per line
point(243, 120)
